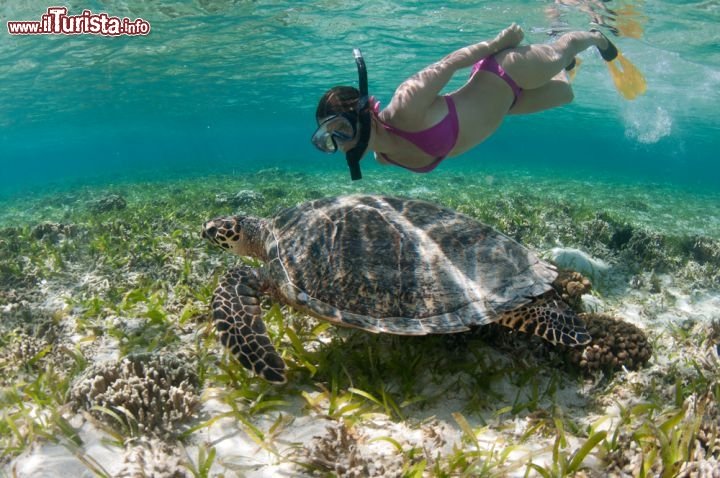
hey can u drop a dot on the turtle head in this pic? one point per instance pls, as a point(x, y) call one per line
point(242, 235)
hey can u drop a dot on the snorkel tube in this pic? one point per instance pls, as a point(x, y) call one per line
point(354, 155)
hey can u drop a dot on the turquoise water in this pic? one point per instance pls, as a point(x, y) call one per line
point(114, 151)
point(221, 87)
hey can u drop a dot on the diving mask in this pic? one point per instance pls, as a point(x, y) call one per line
point(333, 130)
point(343, 127)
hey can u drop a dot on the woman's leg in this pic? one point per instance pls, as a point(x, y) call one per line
point(556, 92)
point(534, 65)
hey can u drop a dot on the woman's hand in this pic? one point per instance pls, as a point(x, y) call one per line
point(508, 38)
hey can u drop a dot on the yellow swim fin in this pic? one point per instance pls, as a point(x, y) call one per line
point(627, 78)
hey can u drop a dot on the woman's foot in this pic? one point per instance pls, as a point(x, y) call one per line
point(607, 50)
point(510, 37)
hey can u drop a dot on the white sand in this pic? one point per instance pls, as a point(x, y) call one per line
point(433, 430)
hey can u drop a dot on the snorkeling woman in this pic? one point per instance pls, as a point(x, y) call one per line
point(420, 127)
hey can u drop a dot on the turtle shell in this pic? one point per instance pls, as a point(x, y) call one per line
point(398, 265)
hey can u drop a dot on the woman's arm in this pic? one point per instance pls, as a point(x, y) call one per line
point(468, 56)
point(416, 93)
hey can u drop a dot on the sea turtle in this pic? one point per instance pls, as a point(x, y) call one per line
point(381, 264)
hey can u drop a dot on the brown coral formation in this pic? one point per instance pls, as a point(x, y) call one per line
point(705, 455)
point(627, 460)
point(571, 286)
point(30, 342)
point(21, 352)
point(152, 392)
point(615, 345)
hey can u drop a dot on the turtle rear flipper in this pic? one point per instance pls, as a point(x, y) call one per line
point(549, 319)
point(237, 316)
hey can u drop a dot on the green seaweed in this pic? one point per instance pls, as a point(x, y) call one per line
point(145, 265)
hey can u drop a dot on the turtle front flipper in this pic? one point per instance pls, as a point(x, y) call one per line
point(549, 318)
point(237, 315)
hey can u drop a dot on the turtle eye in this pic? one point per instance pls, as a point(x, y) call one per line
point(209, 232)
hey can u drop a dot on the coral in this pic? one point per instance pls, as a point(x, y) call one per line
point(159, 391)
point(700, 469)
point(626, 460)
point(615, 344)
point(340, 453)
point(151, 457)
point(571, 286)
point(707, 439)
point(52, 232)
point(348, 451)
point(20, 352)
point(110, 202)
point(30, 342)
point(25, 349)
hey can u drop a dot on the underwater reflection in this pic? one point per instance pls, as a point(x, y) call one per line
point(624, 19)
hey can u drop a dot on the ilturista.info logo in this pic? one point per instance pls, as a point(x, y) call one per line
point(56, 21)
